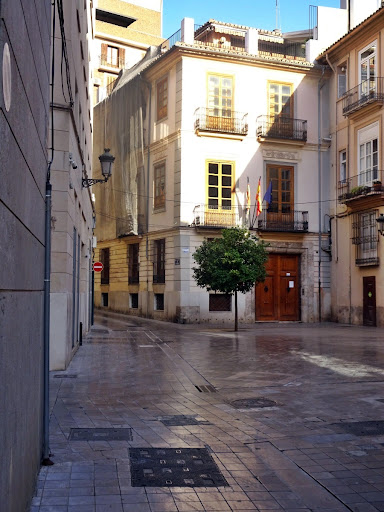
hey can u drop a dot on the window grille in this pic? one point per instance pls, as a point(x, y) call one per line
point(365, 238)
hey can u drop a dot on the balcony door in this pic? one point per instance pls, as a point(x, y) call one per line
point(368, 156)
point(220, 211)
point(281, 209)
point(220, 103)
point(367, 69)
point(280, 100)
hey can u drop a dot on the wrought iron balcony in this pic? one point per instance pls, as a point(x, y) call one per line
point(368, 183)
point(281, 127)
point(133, 279)
point(366, 93)
point(159, 278)
point(213, 217)
point(294, 221)
point(221, 121)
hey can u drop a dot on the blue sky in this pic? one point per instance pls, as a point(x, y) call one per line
point(294, 14)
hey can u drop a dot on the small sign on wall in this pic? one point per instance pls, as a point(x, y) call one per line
point(291, 284)
point(177, 261)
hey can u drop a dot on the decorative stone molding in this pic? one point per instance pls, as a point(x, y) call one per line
point(280, 155)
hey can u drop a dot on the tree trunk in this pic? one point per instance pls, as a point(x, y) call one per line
point(236, 324)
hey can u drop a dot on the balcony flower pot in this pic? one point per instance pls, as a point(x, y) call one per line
point(377, 186)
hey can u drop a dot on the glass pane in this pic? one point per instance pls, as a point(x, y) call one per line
point(273, 173)
point(226, 204)
point(213, 180)
point(227, 169)
point(285, 174)
point(213, 204)
point(226, 181)
point(374, 144)
point(285, 208)
point(213, 168)
point(213, 192)
point(226, 192)
point(364, 71)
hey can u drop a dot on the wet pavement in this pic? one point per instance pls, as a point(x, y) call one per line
point(158, 417)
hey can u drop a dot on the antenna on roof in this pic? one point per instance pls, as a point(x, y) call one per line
point(278, 27)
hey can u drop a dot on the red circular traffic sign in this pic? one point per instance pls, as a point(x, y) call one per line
point(98, 266)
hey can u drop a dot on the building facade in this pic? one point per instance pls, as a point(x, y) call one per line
point(72, 207)
point(356, 117)
point(24, 109)
point(212, 110)
point(123, 32)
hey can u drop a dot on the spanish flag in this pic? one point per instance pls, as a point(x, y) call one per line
point(248, 205)
point(259, 206)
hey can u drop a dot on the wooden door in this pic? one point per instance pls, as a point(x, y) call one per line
point(278, 297)
point(369, 301)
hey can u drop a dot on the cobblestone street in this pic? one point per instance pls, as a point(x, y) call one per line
point(286, 417)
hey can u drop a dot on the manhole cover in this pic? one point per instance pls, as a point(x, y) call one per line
point(170, 467)
point(253, 403)
point(101, 434)
point(181, 421)
point(63, 376)
point(363, 428)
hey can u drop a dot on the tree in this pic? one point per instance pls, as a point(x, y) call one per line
point(231, 264)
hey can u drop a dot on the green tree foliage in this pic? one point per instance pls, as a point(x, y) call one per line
point(231, 264)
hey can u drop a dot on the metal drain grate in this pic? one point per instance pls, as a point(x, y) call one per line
point(253, 403)
point(363, 428)
point(181, 421)
point(101, 434)
point(205, 389)
point(65, 376)
point(169, 467)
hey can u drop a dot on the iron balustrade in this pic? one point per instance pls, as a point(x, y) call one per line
point(159, 278)
point(221, 120)
point(210, 216)
point(313, 11)
point(272, 48)
point(295, 221)
point(282, 127)
point(369, 91)
point(134, 279)
point(365, 183)
point(171, 41)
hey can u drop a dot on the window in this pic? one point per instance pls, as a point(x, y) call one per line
point(159, 261)
point(159, 301)
point(112, 56)
point(162, 98)
point(368, 155)
point(104, 258)
point(367, 68)
point(341, 80)
point(343, 166)
point(282, 178)
point(133, 263)
point(134, 300)
point(220, 95)
point(364, 237)
point(159, 186)
point(280, 100)
point(220, 302)
point(220, 185)
point(104, 300)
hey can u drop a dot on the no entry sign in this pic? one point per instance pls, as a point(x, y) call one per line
point(98, 266)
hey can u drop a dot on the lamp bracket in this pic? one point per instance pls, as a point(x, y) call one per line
point(88, 182)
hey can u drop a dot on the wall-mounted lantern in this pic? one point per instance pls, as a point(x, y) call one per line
point(106, 161)
point(380, 224)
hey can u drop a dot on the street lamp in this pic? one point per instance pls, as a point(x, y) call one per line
point(106, 160)
point(380, 224)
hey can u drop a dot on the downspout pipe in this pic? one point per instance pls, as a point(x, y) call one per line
point(319, 184)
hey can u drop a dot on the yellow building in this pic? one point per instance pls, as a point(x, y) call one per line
point(357, 192)
point(123, 32)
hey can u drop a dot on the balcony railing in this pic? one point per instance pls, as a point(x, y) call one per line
point(287, 50)
point(368, 183)
point(221, 121)
point(134, 279)
point(368, 92)
point(118, 63)
point(287, 128)
point(213, 217)
point(295, 221)
point(159, 278)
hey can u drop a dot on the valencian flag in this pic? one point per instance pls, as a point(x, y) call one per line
point(259, 206)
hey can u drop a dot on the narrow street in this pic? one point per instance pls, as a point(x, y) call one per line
point(274, 417)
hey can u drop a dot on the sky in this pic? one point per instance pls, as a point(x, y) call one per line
point(294, 14)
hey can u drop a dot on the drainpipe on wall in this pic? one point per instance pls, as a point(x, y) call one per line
point(319, 183)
